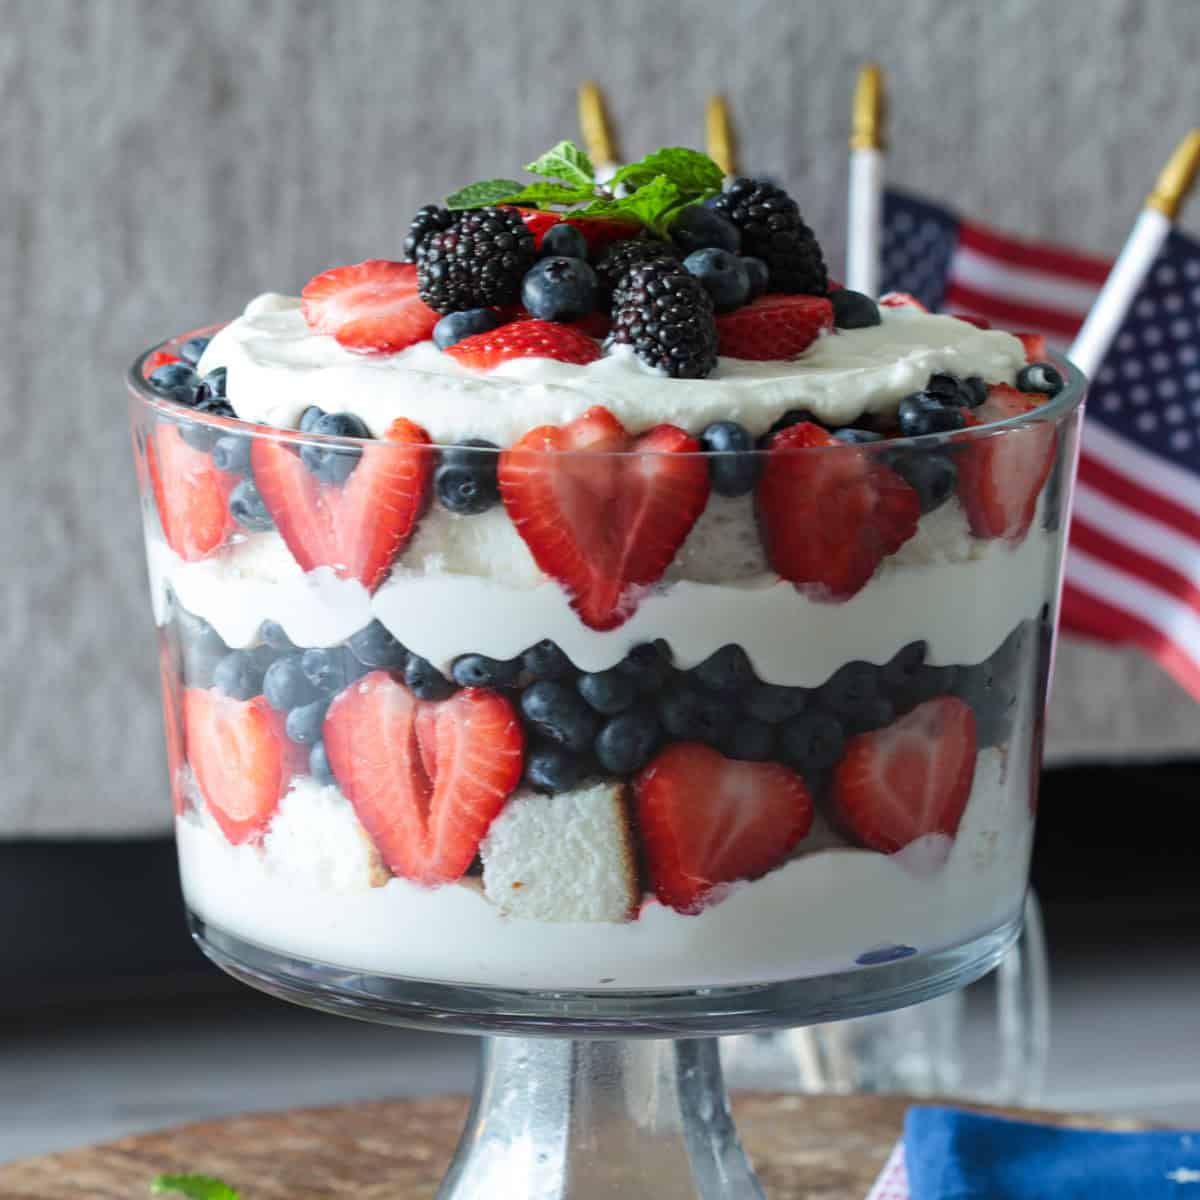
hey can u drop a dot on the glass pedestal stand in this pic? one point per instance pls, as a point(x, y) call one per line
point(602, 1094)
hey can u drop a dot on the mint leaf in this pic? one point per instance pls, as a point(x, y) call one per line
point(488, 191)
point(690, 170)
point(194, 1187)
point(546, 195)
point(566, 162)
point(653, 204)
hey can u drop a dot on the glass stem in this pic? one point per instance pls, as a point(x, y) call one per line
point(555, 1118)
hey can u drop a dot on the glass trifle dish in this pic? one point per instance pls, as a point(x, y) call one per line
point(603, 623)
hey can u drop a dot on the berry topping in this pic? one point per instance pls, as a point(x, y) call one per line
point(333, 464)
point(160, 358)
point(558, 713)
point(193, 349)
point(176, 381)
point(830, 513)
point(476, 261)
point(552, 769)
point(526, 339)
point(932, 476)
point(707, 820)
point(699, 227)
point(478, 670)
point(773, 327)
point(547, 661)
point(286, 684)
point(665, 314)
point(723, 275)
point(616, 262)
point(465, 482)
point(559, 289)
point(925, 412)
point(604, 523)
point(853, 310)
point(429, 219)
point(909, 779)
point(452, 329)
point(371, 307)
point(757, 273)
point(563, 240)
point(608, 692)
point(375, 646)
point(425, 681)
point(772, 229)
point(357, 527)
point(626, 743)
point(190, 493)
point(426, 779)
point(734, 468)
point(247, 508)
point(598, 232)
point(1040, 377)
point(901, 300)
point(232, 453)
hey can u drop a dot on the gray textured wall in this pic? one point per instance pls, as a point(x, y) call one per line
point(163, 161)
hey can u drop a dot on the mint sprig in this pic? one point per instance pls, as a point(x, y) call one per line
point(566, 162)
point(194, 1187)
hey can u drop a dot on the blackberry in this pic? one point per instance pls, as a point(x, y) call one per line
point(614, 264)
point(429, 219)
point(773, 230)
point(666, 315)
point(477, 260)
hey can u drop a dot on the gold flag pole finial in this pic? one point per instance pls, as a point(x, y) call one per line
point(1176, 178)
point(866, 126)
point(718, 135)
point(597, 130)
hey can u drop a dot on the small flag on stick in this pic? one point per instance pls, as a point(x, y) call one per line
point(719, 137)
point(866, 182)
point(598, 138)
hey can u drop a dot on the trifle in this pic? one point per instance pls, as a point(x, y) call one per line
point(603, 598)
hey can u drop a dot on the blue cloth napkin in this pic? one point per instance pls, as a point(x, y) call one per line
point(955, 1155)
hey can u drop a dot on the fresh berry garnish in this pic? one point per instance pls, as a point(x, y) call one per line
point(191, 494)
point(758, 274)
point(933, 477)
point(160, 358)
point(621, 256)
point(924, 413)
point(559, 289)
point(552, 769)
point(626, 742)
point(426, 779)
point(563, 241)
point(427, 220)
point(699, 227)
point(465, 481)
point(371, 307)
point(357, 527)
point(558, 713)
point(666, 315)
point(911, 778)
point(1035, 346)
point(176, 381)
point(773, 230)
point(247, 508)
point(774, 326)
point(331, 463)
point(734, 467)
point(598, 232)
point(526, 339)
point(1000, 477)
point(901, 300)
point(604, 522)
point(596, 325)
point(707, 820)
point(830, 513)
point(452, 329)
point(1040, 377)
point(723, 275)
point(242, 758)
point(853, 310)
point(478, 260)
point(192, 351)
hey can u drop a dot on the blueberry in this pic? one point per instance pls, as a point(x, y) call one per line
point(329, 669)
point(648, 664)
point(698, 228)
point(921, 414)
point(465, 480)
point(945, 387)
point(304, 724)
point(203, 648)
point(723, 277)
point(477, 670)
point(286, 686)
point(932, 476)
point(560, 714)
point(1040, 377)
point(751, 740)
point(551, 768)
point(774, 704)
point(857, 437)
point(425, 681)
point(793, 416)
point(812, 740)
point(193, 349)
point(546, 661)
point(274, 635)
point(993, 699)
point(318, 765)
point(902, 670)
point(232, 453)
point(725, 670)
point(626, 742)
point(563, 241)
point(333, 464)
point(853, 310)
point(758, 274)
point(735, 468)
point(559, 289)
point(240, 674)
point(214, 383)
point(176, 381)
point(873, 713)
point(247, 508)
point(309, 417)
point(690, 714)
point(198, 435)
point(374, 646)
point(607, 692)
point(927, 682)
point(977, 390)
point(451, 329)
point(848, 687)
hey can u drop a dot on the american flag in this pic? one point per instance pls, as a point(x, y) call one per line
point(1133, 562)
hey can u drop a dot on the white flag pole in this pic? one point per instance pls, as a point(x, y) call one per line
point(1141, 248)
point(865, 217)
point(719, 139)
point(597, 130)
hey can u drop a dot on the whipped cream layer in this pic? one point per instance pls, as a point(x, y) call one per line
point(277, 366)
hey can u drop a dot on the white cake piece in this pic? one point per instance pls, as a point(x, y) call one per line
point(723, 546)
point(562, 858)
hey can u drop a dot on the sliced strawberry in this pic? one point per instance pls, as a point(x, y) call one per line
point(829, 512)
point(160, 358)
point(371, 307)
point(775, 326)
point(526, 339)
point(1035, 346)
point(599, 232)
point(357, 527)
point(596, 324)
point(426, 779)
point(901, 300)
point(910, 778)
point(1001, 476)
point(191, 494)
point(601, 520)
point(706, 819)
point(242, 758)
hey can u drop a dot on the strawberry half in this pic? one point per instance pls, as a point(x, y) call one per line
point(426, 779)
point(598, 232)
point(910, 778)
point(901, 300)
point(601, 511)
point(357, 527)
point(1001, 476)
point(371, 307)
point(525, 339)
point(160, 358)
point(1035, 346)
point(829, 512)
point(706, 819)
point(191, 494)
point(242, 758)
point(775, 326)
